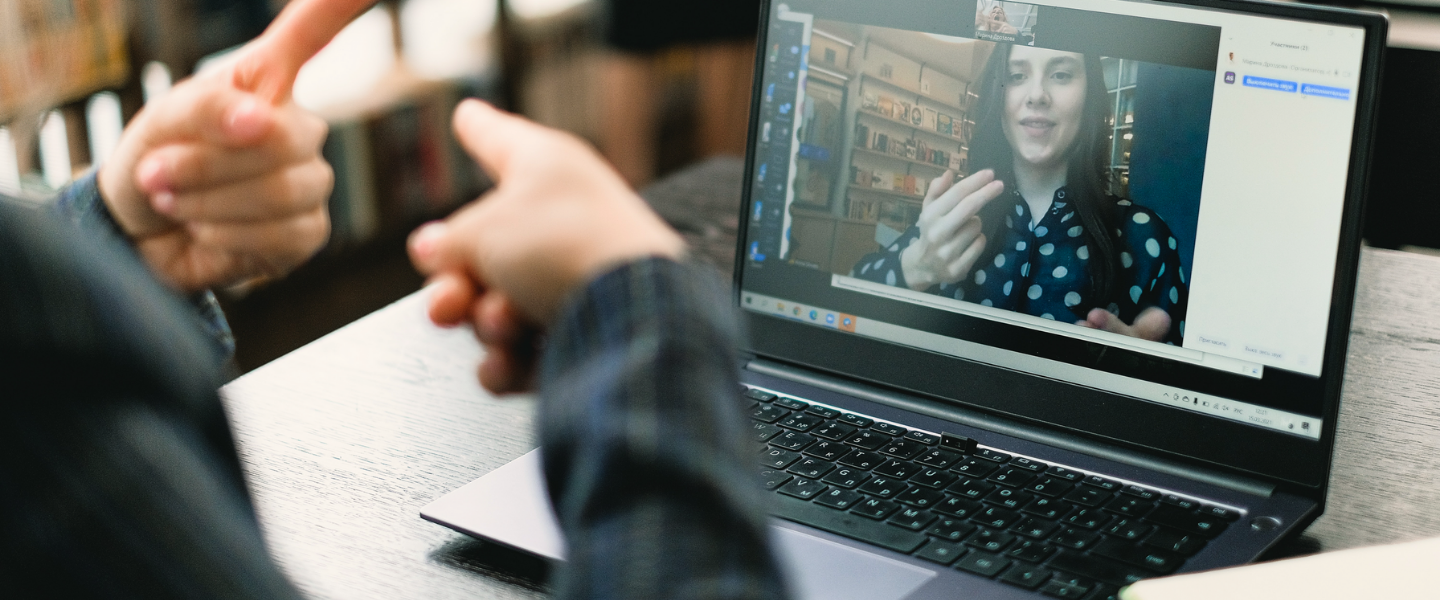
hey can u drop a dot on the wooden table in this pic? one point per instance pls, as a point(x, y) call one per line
point(345, 439)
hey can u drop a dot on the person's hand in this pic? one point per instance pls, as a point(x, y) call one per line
point(558, 217)
point(1151, 324)
point(950, 240)
point(221, 180)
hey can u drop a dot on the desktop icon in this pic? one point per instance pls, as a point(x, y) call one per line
point(830, 319)
point(1229, 77)
point(847, 323)
point(814, 315)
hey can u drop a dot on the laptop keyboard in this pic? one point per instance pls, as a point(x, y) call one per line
point(1063, 532)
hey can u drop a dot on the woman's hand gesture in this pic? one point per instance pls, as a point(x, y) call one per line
point(950, 240)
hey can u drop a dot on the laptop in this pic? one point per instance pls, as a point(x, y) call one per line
point(1043, 298)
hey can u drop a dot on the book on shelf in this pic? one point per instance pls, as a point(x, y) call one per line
point(83, 45)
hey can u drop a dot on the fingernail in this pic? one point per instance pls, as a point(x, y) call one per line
point(246, 120)
point(427, 239)
point(151, 175)
point(164, 202)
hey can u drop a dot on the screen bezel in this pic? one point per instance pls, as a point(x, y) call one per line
point(1182, 435)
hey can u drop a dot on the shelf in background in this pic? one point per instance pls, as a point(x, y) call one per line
point(918, 95)
point(870, 152)
point(892, 193)
point(931, 132)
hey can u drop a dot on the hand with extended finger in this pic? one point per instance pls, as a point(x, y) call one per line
point(950, 240)
point(558, 217)
point(222, 179)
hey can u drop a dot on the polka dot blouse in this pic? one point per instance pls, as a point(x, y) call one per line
point(1040, 269)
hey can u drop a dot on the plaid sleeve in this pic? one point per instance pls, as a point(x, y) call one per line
point(80, 204)
point(643, 437)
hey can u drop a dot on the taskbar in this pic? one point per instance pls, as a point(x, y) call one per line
point(1215, 406)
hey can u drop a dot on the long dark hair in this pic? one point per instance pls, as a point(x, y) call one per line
point(1086, 178)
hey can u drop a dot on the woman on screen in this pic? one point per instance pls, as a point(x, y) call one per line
point(1034, 229)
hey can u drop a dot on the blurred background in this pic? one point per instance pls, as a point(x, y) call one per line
point(655, 85)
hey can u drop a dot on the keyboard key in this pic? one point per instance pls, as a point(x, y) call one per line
point(790, 403)
point(970, 488)
point(1071, 537)
point(1102, 483)
point(791, 440)
point(1129, 529)
point(847, 524)
point(974, 467)
point(1032, 527)
point(992, 455)
point(920, 497)
point(982, 563)
point(996, 517)
point(1105, 592)
point(990, 540)
point(944, 553)
point(773, 478)
point(889, 429)
point(1141, 493)
point(856, 420)
point(1026, 575)
point(759, 395)
point(776, 458)
point(833, 431)
point(950, 528)
point(839, 499)
point(803, 489)
point(897, 469)
point(1059, 589)
point(1088, 496)
point(875, 508)
point(762, 432)
point(846, 477)
point(768, 413)
point(868, 440)
point(933, 478)
point(800, 422)
point(929, 439)
point(1150, 559)
point(1129, 506)
point(811, 468)
point(1220, 512)
point(862, 459)
point(1028, 465)
point(958, 443)
point(883, 487)
point(1064, 473)
point(1178, 502)
point(1170, 540)
point(1184, 520)
point(1031, 551)
point(1009, 498)
point(1050, 486)
point(1089, 518)
point(958, 507)
point(1012, 477)
point(911, 518)
point(1095, 567)
point(940, 459)
point(823, 412)
point(828, 450)
point(1048, 508)
point(903, 448)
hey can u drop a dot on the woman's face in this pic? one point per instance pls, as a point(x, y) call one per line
point(1044, 101)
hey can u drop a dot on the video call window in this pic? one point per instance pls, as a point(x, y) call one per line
point(941, 142)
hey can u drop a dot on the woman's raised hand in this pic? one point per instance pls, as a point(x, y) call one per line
point(950, 240)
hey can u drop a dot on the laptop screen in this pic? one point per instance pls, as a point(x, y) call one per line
point(1136, 197)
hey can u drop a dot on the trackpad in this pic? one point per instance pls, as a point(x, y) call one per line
point(819, 569)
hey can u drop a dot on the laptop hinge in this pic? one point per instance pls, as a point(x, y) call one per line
point(978, 419)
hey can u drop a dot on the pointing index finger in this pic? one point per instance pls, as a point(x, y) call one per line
point(301, 30)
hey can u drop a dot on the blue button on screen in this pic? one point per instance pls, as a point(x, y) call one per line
point(1278, 85)
point(1310, 89)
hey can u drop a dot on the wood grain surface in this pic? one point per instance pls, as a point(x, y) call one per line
point(345, 439)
